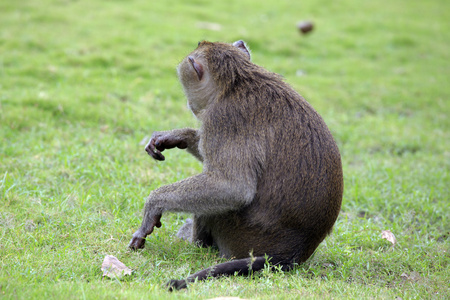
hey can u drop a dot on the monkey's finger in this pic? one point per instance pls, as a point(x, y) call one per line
point(157, 155)
point(151, 145)
point(137, 243)
point(154, 152)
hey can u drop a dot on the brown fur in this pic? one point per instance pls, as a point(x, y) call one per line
point(272, 180)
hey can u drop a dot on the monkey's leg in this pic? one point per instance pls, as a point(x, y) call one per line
point(194, 231)
point(201, 235)
point(240, 267)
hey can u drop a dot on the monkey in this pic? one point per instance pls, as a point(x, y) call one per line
point(271, 186)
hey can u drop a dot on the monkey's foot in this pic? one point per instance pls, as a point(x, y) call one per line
point(176, 285)
point(185, 232)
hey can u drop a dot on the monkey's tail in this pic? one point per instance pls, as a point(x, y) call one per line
point(242, 266)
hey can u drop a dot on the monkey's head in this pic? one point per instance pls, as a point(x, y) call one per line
point(210, 70)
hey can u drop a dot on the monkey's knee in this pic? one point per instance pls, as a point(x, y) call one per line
point(185, 232)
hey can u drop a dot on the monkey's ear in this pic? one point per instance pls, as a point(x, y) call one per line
point(243, 47)
point(197, 67)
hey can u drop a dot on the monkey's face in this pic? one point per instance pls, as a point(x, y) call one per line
point(192, 69)
point(193, 73)
point(205, 67)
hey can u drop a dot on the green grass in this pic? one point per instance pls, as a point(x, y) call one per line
point(82, 83)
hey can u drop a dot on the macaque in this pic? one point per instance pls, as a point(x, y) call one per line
point(272, 179)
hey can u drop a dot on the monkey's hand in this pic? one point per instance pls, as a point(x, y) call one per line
point(138, 240)
point(161, 141)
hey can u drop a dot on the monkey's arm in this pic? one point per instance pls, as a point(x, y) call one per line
point(204, 194)
point(208, 193)
point(185, 138)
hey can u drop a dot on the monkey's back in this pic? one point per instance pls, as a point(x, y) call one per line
point(298, 169)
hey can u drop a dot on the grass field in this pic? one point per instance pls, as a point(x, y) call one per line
point(84, 83)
